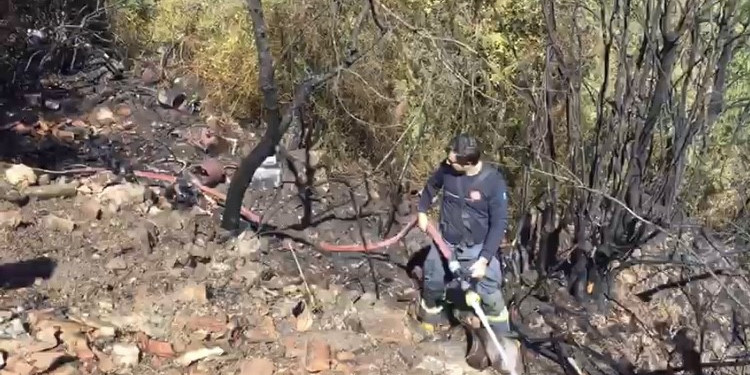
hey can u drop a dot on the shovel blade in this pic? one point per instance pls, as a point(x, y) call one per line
point(476, 357)
point(512, 352)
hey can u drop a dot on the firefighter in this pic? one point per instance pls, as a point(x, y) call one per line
point(473, 217)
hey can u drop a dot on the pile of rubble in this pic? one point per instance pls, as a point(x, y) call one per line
point(147, 290)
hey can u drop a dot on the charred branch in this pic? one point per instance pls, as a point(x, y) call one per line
point(276, 124)
point(647, 295)
point(652, 99)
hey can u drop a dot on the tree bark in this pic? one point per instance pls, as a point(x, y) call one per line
point(276, 124)
point(272, 136)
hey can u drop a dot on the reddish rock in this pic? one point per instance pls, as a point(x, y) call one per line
point(42, 361)
point(158, 348)
point(207, 323)
point(317, 355)
point(256, 366)
point(265, 331)
point(344, 356)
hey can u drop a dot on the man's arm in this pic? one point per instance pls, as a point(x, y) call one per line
point(498, 212)
point(431, 188)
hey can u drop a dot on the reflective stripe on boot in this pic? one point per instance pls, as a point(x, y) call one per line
point(501, 318)
point(430, 317)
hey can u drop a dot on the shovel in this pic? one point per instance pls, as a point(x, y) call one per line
point(474, 301)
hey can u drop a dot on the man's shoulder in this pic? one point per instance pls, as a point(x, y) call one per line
point(493, 174)
point(494, 184)
point(443, 168)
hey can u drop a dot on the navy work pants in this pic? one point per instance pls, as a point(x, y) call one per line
point(437, 279)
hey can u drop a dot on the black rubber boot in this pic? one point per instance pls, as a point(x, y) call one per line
point(432, 318)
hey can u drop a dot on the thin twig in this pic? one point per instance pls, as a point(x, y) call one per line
point(302, 275)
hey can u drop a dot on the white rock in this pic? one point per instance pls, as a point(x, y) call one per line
point(19, 174)
point(198, 354)
point(268, 175)
point(15, 328)
point(125, 354)
point(104, 115)
point(120, 195)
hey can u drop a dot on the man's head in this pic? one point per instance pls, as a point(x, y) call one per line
point(463, 153)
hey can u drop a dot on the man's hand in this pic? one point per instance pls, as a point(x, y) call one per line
point(422, 221)
point(479, 268)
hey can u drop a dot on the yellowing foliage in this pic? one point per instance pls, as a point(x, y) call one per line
point(444, 67)
point(211, 40)
point(403, 101)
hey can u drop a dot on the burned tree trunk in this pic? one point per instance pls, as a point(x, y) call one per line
point(276, 123)
point(652, 99)
point(274, 126)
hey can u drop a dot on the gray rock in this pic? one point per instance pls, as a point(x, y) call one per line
point(59, 224)
point(116, 264)
point(5, 316)
point(247, 244)
point(145, 236)
point(13, 329)
point(447, 359)
point(250, 273)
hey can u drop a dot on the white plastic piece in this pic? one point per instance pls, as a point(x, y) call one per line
point(268, 175)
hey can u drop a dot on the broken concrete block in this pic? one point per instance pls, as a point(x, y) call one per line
point(125, 355)
point(268, 175)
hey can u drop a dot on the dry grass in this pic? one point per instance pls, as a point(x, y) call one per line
point(214, 41)
point(401, 103)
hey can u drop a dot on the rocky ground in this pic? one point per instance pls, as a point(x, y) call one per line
point(105, 273)
point(104, 284)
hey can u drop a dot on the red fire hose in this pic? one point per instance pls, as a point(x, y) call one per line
point(255, 218)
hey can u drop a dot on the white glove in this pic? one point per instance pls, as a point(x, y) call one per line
point(479, 268)
point(454, 266)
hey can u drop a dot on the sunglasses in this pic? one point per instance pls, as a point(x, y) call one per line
point(456, 163)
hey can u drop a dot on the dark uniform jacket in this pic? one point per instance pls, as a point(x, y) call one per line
point(474, 209)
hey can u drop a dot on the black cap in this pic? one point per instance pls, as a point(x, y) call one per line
point(466, 148)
